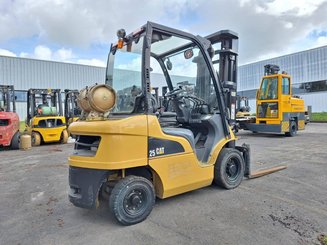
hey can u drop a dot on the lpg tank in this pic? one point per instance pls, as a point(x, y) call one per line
point(97, 99)
point(25, 142)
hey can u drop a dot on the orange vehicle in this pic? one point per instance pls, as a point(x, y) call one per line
point(9, 120)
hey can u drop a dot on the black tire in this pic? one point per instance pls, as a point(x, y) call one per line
point(36, 139)
point(15, 141)
point(132, 200)
point(229, 168)
point(293, 129)
point(64, 137)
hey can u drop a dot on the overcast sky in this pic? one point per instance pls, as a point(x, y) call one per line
point(80, 31)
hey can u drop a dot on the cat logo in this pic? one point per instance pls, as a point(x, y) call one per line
point(160, 151)
point(157, 152)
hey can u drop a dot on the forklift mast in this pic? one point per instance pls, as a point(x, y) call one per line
point(226, 47)
point(7, 98)
point(33, 94)
point(71, 108)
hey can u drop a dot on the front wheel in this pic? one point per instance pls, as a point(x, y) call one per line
point(132, 200)
point(15, 141)
point(293, 129)
point(64, 137)
point(36, 139)
point(229, 168)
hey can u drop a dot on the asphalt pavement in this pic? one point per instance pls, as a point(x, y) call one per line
point(287, 207)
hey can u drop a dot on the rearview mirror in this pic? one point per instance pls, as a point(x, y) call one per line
point(169, 65)
point(156, 36)
point(188, 54)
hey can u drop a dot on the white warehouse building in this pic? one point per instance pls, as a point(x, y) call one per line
point(307, 68)
point(26, 73)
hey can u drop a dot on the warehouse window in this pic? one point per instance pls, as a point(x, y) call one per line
point(250, 94)
point(21, 96)
point(316, 86)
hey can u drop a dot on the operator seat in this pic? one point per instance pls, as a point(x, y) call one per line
point(183, 111)
point(139, 104)
point(213, 123)
point(181, 132)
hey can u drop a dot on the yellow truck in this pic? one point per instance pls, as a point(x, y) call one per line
point(277, 110)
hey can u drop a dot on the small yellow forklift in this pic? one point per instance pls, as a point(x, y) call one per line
point(278, 111)
point(127, 149)
point(45, 121)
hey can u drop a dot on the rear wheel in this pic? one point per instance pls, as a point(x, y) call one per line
point(64, 137)
point(132, 199)
point(15, 141)
point(229, 168)
point(293, 129)
point(36, 139)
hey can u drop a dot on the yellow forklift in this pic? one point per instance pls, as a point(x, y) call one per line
point(45, 121)
point(71, 108)
point(278, 111)
point(126, 149)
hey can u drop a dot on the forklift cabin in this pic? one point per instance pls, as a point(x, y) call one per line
point(7, 98)
point(134, 154)
point(45, 121)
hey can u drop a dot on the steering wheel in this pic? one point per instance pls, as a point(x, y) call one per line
point(174, 92)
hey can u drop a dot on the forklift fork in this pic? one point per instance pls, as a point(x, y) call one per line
point(245, 149)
